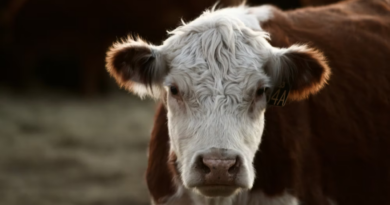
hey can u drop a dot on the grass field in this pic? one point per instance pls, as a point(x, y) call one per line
point(59, 149)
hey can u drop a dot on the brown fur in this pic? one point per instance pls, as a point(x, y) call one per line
point(336, 144)
point(128, 64)
point(306, 72)
point(159, 175)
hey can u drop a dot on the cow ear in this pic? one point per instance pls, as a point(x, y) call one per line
point(137, 66)
point(303, 69)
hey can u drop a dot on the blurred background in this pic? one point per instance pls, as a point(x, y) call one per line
point(68, 135)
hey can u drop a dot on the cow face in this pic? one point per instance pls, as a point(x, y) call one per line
point(214, 75)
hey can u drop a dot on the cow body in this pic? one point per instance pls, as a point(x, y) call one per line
point(331, 148)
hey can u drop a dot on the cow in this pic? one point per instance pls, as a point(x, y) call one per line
point(267, 107)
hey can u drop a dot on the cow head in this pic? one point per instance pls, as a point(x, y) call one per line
point(214, 74)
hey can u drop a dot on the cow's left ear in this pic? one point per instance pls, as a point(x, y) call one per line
point(303, 69)
point(137, 66)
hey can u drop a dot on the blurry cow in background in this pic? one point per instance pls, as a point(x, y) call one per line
point(220, 138)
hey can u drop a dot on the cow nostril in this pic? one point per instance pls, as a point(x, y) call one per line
point(201, 166)
point(235, 167)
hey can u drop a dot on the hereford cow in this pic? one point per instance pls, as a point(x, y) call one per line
point(223, 136)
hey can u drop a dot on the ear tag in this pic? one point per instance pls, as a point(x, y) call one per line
point(279, 96)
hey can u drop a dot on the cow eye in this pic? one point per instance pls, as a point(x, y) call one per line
point(260, 91)
point(174, 90)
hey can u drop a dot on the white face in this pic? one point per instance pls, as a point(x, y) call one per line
point(215, 97)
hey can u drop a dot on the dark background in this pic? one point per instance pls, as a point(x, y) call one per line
point(68, 135)
point(61, 44)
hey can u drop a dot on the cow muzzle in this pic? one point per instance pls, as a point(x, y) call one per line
point(218, 171)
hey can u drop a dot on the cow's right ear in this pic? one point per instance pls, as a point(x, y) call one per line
point(304, 69)
point(137, 66)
